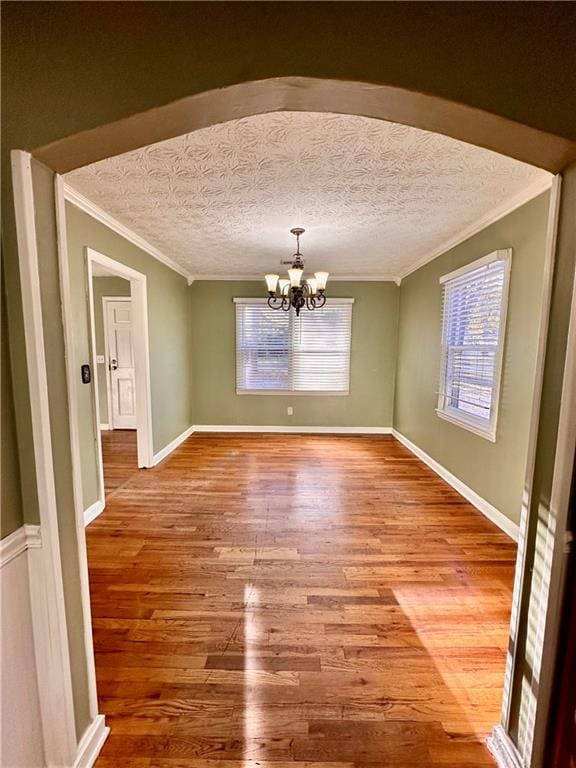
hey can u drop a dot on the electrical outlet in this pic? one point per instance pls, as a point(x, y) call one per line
point(290, 411)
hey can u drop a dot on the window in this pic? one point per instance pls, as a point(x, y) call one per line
point(474, 320)
point(277, 352)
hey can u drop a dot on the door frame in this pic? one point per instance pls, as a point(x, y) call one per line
point(139, 298)
point(105, 300)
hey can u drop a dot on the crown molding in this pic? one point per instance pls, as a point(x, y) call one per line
point(523, 197)
point(86, 205)
point(386, 278)
point(527, 194)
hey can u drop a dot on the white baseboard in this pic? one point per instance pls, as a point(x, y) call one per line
point(104, 427)
point(93, 511)
point(493, 514)
point(293, 429)
point(91, 743)
point(23, 538)
point(504, 749)
point(167, 450)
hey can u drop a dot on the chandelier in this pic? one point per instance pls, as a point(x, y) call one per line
point(283, 294)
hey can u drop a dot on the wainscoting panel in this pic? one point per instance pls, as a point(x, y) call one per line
point(21, 745)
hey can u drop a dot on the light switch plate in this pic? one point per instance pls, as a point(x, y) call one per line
point(100, 359)
point(290, 411)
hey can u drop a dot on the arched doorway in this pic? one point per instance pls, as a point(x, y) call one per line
point(382, 102)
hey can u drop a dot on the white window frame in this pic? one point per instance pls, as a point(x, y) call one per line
point(295, 392)
point(485, 429)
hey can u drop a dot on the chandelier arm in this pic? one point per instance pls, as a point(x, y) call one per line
point(273, 302)
point(321, 300)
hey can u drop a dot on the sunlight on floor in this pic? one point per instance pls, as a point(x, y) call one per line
point(435, 615)
point(251, 724)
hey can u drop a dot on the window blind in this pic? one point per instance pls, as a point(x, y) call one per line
point(474, 304)
point(279, 352)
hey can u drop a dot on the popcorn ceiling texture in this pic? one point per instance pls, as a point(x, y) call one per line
point(374, 197)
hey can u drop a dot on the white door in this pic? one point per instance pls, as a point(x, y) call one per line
point(121, 363)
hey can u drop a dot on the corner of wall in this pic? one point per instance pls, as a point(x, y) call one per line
point(397, 355)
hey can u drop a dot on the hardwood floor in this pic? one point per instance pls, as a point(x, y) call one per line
point(119, 456)
point(290, 601)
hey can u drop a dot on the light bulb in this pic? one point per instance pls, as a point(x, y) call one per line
point(283, 286)
point(295, 275)
point(312, 285)
point(321, 279)
point(271, 281)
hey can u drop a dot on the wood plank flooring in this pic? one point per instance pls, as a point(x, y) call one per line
point(295, 601)
point(119, 456)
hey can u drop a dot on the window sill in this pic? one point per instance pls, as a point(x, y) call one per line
point(292, 393)
point(488, 433)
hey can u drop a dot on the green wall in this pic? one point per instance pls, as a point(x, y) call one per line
point(169, 337)
point(494, 470)
point(104, 286)
point(470, 53)
point(372, 372)
point(11, 499)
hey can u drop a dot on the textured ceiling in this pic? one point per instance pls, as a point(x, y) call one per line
point(374, 197)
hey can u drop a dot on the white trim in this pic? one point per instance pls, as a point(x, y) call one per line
point(499, 255)
point(488, 429)
point(489, 511)
point(468, 423)
point(96, 396)
point(117, 267)
point(489, 218)
point(105, 427)
point(555, 555)
point(71, 381)
point(46, 585)
point(86, 205)
point(139, 298)
point(260, 300)
point(503, 749)
point(23, 538)
point(91, 743)
point(158, 457)
point(293, 429)
point(92, 512)
point(523, 573)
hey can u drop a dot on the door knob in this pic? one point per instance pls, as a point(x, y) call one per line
point(113, 363)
